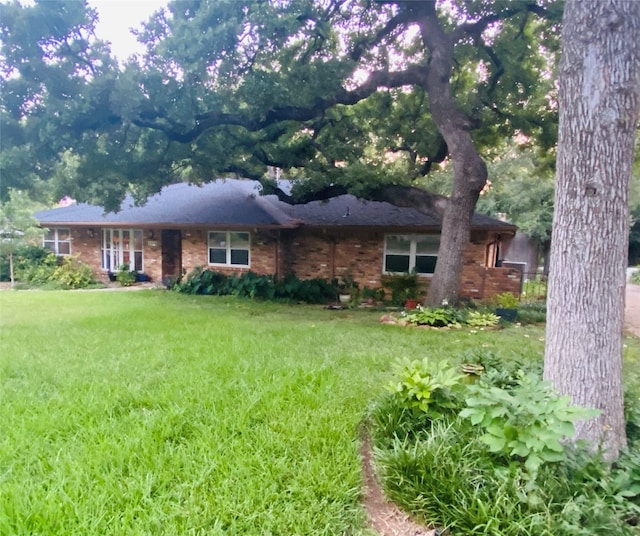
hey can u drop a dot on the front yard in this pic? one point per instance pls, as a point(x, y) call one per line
point(156, 413)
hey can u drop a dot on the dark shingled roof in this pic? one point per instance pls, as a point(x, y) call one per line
point(238, 203)
point(221, 202)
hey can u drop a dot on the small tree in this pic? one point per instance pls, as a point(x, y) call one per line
point(18, 227)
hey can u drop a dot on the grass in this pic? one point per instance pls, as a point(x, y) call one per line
point(156, 413)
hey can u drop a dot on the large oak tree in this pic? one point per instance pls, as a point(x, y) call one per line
point(345, 95)
point(599, 108)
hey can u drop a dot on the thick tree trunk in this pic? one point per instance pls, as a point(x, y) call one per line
point(469, 170)
point(599, 103)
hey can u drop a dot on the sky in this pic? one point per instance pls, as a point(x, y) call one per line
point(117, 16)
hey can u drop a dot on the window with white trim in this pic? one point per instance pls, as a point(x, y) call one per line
point(122, 246)
point(405, 253)
point(229, 248)
point(58, 240)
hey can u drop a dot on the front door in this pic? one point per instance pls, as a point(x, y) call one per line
point(171, 253)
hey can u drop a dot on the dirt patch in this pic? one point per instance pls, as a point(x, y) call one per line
point(385, 518)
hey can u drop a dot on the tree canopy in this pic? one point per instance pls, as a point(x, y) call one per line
point(328, 91)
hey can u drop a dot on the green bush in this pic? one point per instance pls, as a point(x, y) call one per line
point(53, 272)
point(125, 277)
point(437, 317)
point(532, 312)
point(431, 390)
point(23, 257)
point(526, 422)
point(252, 285)
point(38, 273)
point(506, 300)
point(480, 319)
point(72, 274)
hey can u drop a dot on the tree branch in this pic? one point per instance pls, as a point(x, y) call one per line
point(413, 75)
point(398, 195)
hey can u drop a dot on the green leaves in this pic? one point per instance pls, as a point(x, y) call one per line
point(421, 387)
point(528, 421)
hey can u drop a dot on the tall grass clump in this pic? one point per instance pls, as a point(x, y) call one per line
point(491, 458)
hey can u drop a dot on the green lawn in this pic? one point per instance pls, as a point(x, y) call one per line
point(150, 412)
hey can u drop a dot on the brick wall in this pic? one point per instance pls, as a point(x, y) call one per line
point(315, 253)
point(85, 244)
point(263, 260)
point(308, 253)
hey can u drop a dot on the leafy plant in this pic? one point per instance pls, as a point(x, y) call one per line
point(403, 287)
point(428, 389)
point(479, 319)
point(53, 272)
point(252, 285)
point(436, 317)
point(125, 277)
point(72, 274)
point(527, 422)
point(371, 295)
point(506, 300)
point(23, 257)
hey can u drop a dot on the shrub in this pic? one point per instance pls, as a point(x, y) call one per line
point(56, 272)
point(38, 273)
point(427, 389)
point(526, 422)
point(437, 317)
point(72, 274)
point(125, 277)
point(506, 300)
point(532, 312)
point(23, 257)
point(252, 285)
point(479, 319)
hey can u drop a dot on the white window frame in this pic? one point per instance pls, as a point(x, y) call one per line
point(228, 249)
point(413, 247)
point(53, 244)
point(113, 252)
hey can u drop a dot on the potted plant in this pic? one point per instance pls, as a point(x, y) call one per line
point(369, 295)
point(125, 277)
point(506, 306)
point(412, 295)
point(404, 290)
point(347, 289)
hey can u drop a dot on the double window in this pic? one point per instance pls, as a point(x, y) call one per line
point(229, 248)
point(407, 253)
point(120, 247)
point(58, 240)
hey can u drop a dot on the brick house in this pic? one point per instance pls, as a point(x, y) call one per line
point(228, 226)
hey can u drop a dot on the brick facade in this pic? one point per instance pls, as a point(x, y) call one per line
point(309, 253)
